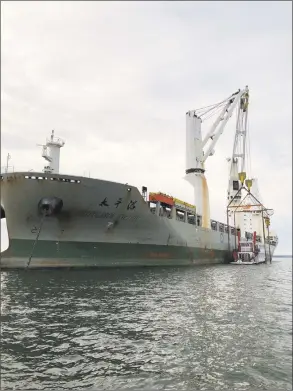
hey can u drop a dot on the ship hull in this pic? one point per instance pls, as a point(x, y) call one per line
point(49, 254)
point(101, 224)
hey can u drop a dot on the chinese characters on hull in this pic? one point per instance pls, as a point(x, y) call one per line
point(131, 205)
point(118, 202)
point(104, 202)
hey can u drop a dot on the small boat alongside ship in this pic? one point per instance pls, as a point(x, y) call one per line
point(67, 221)
point(248, 253)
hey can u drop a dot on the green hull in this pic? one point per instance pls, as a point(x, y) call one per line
point(51, 254)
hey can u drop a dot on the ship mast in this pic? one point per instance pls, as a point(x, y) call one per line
point(51, 153)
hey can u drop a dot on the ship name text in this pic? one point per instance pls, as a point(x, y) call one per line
point(108, 215)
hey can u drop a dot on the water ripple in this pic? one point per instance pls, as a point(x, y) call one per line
point(203, 328)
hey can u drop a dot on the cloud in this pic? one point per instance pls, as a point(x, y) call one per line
point(115, 79)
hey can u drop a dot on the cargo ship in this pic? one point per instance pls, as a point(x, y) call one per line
point(67, 221)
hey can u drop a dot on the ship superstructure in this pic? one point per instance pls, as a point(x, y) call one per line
point(57, 220)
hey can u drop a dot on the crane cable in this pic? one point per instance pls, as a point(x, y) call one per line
point(215, 110)
point(211, 107)
point(249, 165)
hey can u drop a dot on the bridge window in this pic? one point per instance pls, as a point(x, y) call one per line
point(180, 215)
point(190, 218)
point(165, 211)
point(152, 207)
point(214, 225)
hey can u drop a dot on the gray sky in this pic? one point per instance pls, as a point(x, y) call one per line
point(115, 79)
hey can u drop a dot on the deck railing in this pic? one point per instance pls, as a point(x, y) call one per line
point(11, 169)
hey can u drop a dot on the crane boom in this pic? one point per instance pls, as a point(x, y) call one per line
point(223, 118)
point(195, 154)
point(211, 133)
point(238, 160)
